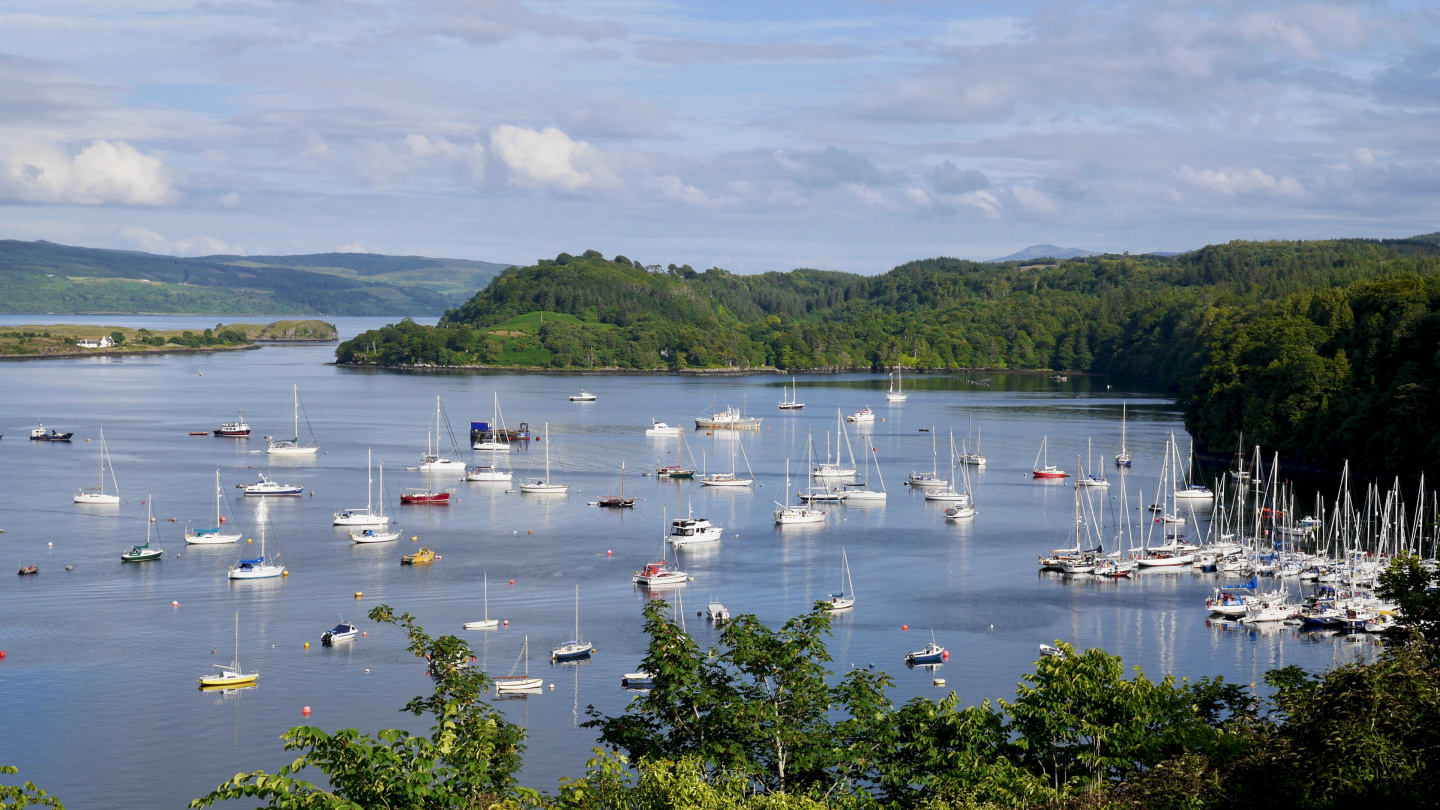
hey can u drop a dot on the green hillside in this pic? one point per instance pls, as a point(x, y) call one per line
point(1306, 346)
point(51, 278)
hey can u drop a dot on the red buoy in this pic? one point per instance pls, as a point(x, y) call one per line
point(2, 653)
point(945, 655)
point(305, 711)
point(904, 627)
point(512, 582)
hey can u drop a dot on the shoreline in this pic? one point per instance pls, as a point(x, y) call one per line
point(698, 372)
point(129, 352)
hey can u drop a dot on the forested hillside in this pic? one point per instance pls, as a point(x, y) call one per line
point(45, 277)
point(1264, 335)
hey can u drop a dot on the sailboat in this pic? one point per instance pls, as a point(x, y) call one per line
point(897, 384)
point(544, 486)
point(432, 459)
point(429, 495)
point(964, 508)
point(1122, 458)
point(926, 480)
point(293, 447)
point(1046, 470)
point(792, 515)
point(261, 567)
point(1086, 477)
point(217, 535)
point(836, 468)
point(497, 438)
point(97, 494)
point(678, 469)
point(659, 574)
point(618, 501)
point(518, 683)
point(730, 479)
point(975, 459)
point(792, 402)
point(356, 516)
point(371, 534)
point(486, 623)
point(845, 599)
point(574, 649)
point(144, 552)
point(861, 492)
point(231, 675)
point(948, 492)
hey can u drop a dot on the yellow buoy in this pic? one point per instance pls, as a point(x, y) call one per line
point(307, 645)
point(358, 594)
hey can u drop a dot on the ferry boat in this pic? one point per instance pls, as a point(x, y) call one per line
point(239, 428)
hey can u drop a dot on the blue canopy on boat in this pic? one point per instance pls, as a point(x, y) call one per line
point(256, 561)
point(344, 628)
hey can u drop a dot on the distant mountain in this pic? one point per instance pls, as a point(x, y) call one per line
point(43, 277)
point(1043, 252)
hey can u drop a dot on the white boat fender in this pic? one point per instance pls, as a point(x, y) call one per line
point(939, 681)
point(552, 687)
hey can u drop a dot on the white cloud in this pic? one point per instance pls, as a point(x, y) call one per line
point(105, 172)
point(548, 158)
point(143, 238)
point(231, 200)
point(1230, 182)
point(1034, 201)
point(1363, 156)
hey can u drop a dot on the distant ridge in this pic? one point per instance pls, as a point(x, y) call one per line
point(1043, 252)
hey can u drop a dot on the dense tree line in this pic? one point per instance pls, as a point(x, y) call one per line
point(1308, 347)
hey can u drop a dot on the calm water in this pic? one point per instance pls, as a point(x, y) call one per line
point(99, 681)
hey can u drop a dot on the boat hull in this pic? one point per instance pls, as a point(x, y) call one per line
point(222, 681)
point(96, 499)
point(374, 537)
point(431, 498)
point(257, 572)
point(215, 539)
point(483, 624)
point(726, 482)
point(545, 489)
point(517, 683)
point(482, 476)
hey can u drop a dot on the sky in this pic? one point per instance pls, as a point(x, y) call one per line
point(751, 136)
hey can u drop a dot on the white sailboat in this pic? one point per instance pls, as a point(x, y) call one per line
point(544, 486)
point(926, 480)
point(897, 385)
point(497, 439)
point(293, 447)
point(261, 567)
point(372, 534)
point(356, 516)
point(486, 623)
point(231, 675)
point(217, 535)
point(433, 460)
point(97, 495)
point(792, 402)
point(861, 492)
point(1087, 477)
point(975, 459)
point(798, 514)
point(845, 599)
point(836, 468)
point(948, 492)
point(575, 649)
point(659, 574)
point(1122, 458)
point(964, 508)
point(730, 479)
point(519, 683)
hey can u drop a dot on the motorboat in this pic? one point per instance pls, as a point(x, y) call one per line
point(260, 567)
point(931, 654)
point(293, 446)
point(862, 415)
point(544, 486)
point(231, 675)
point(419, 557)
point(238, 429)
point(267, 487)
point(486, 623)
point(144, 552)
point(40, 434)
point(661, 429)
point(583, 396)
point(344, 631)
point(638, 679)
point(215, 535)
point(717, 612)
point(28, 570)
point(574, 649)
point(516, 682)
point(1194, 492)
point(690, 531)
point(97, 495)
point(483, 473)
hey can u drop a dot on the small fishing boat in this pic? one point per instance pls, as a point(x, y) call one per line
point(260, 567)
point(344, 631)
point(717, 612)
point(238, 429)
point(28, 570)
point(897, 385)
point(929, 656)
point(574, 649)
point(519, 683)
point(40, 434)
point(97, 495)
point(1047, 651)
point(638, 679)
point(1044, 469)
point(267, 487)
point(662, 429)
point(216, 535)
point(845, 599)
point(293, 446)
point(792, 402)
point(231, 675)
point(544, 486)
point(583, 396)
point(727, 419)
point(486, 623)
point(862, 415)
point(420, 557)
point(143, 553)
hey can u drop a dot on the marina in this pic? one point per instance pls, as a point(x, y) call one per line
point(973, 581)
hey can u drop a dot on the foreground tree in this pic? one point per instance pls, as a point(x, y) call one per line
point(468, 761)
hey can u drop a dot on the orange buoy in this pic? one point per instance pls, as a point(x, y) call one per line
point(174, 604)
point(905, 627)
point(512, 582)
point(2, 653)
point(305, 711)
point(608, 552)
point(365, 635)
point(531, 531)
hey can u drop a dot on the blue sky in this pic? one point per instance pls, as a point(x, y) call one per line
point(751, 136)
